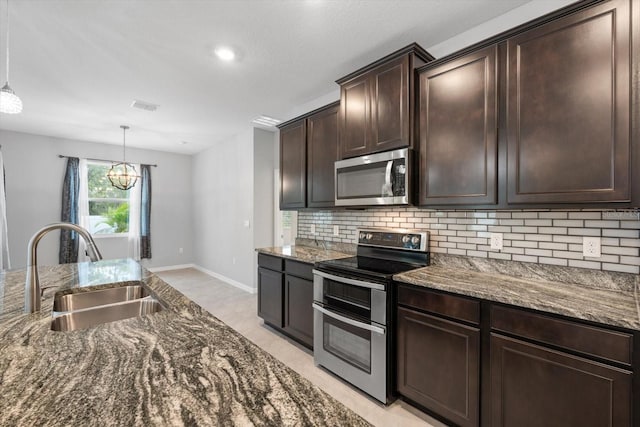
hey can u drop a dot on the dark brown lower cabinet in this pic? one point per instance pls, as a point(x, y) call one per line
point(270, 293)
point(438, 365)
point(535, 386)
point(298, 315)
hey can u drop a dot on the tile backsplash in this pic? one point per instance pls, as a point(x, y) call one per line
point(537, 236)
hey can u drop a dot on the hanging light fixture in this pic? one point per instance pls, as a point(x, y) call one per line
point(123, 175)
point(9, 101)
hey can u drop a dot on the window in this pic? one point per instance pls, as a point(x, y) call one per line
point(108, 206)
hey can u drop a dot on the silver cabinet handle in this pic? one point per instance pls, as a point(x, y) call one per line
point(377, 329)
point(353, 282)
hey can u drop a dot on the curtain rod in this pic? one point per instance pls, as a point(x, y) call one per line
point(103, 160)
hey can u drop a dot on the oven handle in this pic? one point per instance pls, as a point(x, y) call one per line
point(368, 327)
point(341, 279)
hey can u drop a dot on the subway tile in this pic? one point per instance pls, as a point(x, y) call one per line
point(457, 227)
point(630, 234)
point(630, 224)
point(503, 215)
point(553, 261)
point(553, 215)
point(539, 237)
point(609, 241)
point(531, 215)
point(622, 268)
point(538, 222)
point(568, 223)
point(438, 250)
point(406, 214)
point(585, 215)
point(477, 214)
point(513, 236)
point(467, 221)
point(524, 258)
point(468, 246)
point(446, 245)
point(630, 242)
point(584, 231)
point(524, 244)
point(511, 222)
point(619, 250)
point(630, 260)
point(456, 251)
point(456, 214)
point(477, 227)
point(487, 221)
point(615, 259)
point(457, 239)
point(567, 239)
point(602, 224)
point(484, 234)
point(524, 229)
point(479, 254)
point(477, 240)
point(538, 252)
point(552, 230)
point(511, 250)
point(567, 254)
point(499, 229)
point(486, 248)
point(466, 234)
point(498, 255)
point(585, 264)
point(553, 246)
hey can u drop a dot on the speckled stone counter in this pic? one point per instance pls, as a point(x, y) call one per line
point(602, 297)
point(301, 253)
point(180, 366)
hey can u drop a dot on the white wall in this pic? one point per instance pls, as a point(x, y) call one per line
point(34, 176)
point(233, 185)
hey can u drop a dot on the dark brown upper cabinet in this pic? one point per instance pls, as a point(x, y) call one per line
point(322, 153)
point(457, 130)
point(293, 169)
point(377, 104)
point(569, 99)
point(308, 151)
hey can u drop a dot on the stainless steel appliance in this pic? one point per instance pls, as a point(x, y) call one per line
point(374, 179)
point(352, 306)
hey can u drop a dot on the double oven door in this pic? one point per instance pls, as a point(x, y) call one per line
point(351, 336)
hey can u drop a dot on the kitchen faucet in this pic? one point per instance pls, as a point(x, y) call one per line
point(32, 292)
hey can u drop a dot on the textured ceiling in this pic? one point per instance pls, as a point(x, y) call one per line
point(77, 65)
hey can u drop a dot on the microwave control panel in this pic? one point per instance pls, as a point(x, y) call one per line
point(400, 239)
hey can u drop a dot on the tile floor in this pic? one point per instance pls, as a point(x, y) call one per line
point(237, 309)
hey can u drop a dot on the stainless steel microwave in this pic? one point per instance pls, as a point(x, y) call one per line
point(374, 179)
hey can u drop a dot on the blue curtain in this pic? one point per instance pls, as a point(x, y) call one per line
point(70, 191)
point(145, 211)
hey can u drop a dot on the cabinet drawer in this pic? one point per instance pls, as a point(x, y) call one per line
point(589, 340)
point(455, 307)
point(299, 269)
point(270, 262)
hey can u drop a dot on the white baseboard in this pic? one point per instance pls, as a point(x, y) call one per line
point(171, 267)
point(232, 282)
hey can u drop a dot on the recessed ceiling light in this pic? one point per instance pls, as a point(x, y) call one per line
point(266, 121)
point(183, 142)
point(225, 53)
point(144, 105)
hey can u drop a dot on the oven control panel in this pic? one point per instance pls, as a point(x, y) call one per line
point(400, 239)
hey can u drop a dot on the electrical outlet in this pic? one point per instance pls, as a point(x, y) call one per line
point(336, 230)
point(313, 229)
point(496, 241)
point(591, 247)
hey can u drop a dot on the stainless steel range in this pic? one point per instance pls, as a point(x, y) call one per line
point(352, 306)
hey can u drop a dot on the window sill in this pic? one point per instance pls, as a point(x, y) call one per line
point(110, 236)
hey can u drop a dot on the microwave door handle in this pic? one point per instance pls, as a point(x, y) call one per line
point(353, 282)
point(387, 179)
point(377, 329)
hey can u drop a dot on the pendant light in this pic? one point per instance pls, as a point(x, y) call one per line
point(123, 175)
point(9, 101)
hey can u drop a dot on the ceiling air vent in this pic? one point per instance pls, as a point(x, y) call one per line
point(147, 106)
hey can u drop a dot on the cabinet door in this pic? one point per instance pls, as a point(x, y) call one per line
point(298, 315)
point(458, 138)
point(293, 156)
point(438, 365)
point(534, 386)
point(569, 109)
point(270, 295)
point(390, 113)
point(355, 105)
point(322, 152)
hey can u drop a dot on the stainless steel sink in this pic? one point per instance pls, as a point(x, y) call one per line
point(82, 300)
point(89, 317)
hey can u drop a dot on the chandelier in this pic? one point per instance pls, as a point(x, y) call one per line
point(9, 101)
point(123, 175)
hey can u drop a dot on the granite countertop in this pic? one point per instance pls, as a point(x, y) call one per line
point(181, 366)
point(306, 254)
point(607, 298)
